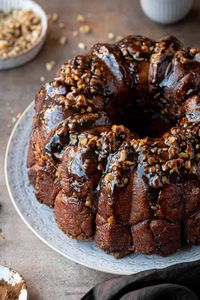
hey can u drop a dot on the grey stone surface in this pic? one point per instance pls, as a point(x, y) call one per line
point(49, 275)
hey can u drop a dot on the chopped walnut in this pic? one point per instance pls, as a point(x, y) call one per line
point(14, 119)
point(80, 18)
point(111, 220)
point(75, 33)
point(81, 46)
point(85, 29)
point(88, 201)
point(18, 115)
point(42, 79)
point(111, 36)
point(61, 25)
point(50, 65)
point(63, 40)
point(54, 17)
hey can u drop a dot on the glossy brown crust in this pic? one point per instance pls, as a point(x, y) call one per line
point(128, 192)
point(156, 236)
point(73, 217)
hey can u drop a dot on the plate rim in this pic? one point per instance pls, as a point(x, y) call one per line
point(37, 234)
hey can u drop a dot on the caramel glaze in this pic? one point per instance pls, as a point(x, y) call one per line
point(105, 170)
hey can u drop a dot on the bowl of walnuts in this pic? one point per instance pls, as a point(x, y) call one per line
point(23, 28)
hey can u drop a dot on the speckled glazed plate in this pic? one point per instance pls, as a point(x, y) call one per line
point(39, 218)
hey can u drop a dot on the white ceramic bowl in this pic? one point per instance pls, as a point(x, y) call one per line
point(12, 277)
point(166, 11)
point(12, 62)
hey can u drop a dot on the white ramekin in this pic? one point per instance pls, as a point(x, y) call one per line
point(16, 61)
point(166, 11)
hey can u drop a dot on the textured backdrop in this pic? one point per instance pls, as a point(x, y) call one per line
point(49, 275)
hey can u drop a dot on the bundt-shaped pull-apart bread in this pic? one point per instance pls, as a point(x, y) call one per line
point(115, 146)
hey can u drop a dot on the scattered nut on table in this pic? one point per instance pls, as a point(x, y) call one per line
point(75, 33)
point(42, 78)
point(20, 30)
point(61, 25)
point(54, 17)
point(111, 36)
point(82, 46)
point(80, 18)
point(63, 40)
point(50, 65)
point(85, 29)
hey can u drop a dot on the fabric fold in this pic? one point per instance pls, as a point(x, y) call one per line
point(181, 282)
